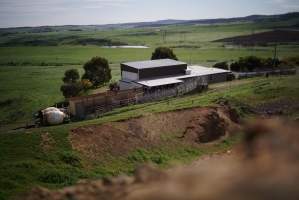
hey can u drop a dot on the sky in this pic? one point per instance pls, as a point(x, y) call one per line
point(15, 13)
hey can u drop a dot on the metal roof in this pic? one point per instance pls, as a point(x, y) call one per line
point(201, 71)
point(153, 63)
point(196, 71)
point(160, 82)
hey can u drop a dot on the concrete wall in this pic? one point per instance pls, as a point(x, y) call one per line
point(218, 78)
point(125, 85)
point(132, 76)
point(189, 85)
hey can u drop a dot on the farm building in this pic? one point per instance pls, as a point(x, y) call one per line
point(147, 81)
point(166, 72)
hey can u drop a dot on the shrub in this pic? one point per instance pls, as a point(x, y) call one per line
point(163, 53)
point(253, 63)
point(71, 76)
point(71, 89)
point(235, 66)
point(221, 65)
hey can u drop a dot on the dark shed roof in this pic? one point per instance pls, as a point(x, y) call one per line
point(153, 63)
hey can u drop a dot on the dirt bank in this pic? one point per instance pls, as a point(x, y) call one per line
point(266, 167)
point(194, 126)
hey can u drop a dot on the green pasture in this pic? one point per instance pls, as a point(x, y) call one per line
point(32, 84)
point(25, 164)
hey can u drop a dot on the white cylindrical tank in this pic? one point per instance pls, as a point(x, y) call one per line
point(53, 116)
point(50, 109)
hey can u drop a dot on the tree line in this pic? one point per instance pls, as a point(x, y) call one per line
point(254, 63)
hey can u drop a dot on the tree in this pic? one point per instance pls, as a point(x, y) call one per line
point(72, 86)
point(221, 65)
point(71, 89)
point(163, 53)
point(250, 63)
point(71, 76)
point(97, 71)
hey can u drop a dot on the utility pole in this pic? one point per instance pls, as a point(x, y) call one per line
point(164, 36)
point(275, 56)
point(252, 41)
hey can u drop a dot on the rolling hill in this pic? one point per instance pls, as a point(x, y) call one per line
point(293, 18)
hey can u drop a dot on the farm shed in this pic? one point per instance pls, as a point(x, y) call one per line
point(166, 72)
point(147, 81)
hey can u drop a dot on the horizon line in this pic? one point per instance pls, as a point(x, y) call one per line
point(149, 21)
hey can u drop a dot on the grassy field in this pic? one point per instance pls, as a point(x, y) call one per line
point(26, 88)
point(24, 163)
point(78, 55)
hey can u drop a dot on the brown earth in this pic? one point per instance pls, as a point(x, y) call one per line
point(276, 36)
point(278, 107)
point(197, 125)
point(47, 142)
point(266, 167)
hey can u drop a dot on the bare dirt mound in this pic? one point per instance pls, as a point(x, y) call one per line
point(118, 138)
point(266, 169)
point(209, 127)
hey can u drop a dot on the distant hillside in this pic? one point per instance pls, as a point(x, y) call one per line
point(292, 18)
point(276, 36)
point(251, 18)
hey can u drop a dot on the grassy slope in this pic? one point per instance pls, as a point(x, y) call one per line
point(24, 163)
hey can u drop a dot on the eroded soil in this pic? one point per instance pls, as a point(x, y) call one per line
point(192, 126)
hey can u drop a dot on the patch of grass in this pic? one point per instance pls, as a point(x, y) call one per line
point(57, 177)
point(70, 158)
point(162, 156)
